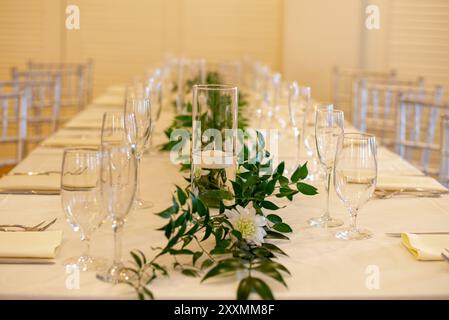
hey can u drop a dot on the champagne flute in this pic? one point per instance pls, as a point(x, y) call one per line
point(81, 200)
point(118, 189)
point(139, 108)
point(329, 126)
point(156, 99)
point(298, 106)
point(355, 176)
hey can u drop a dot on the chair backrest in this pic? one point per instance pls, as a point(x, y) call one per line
point(44, 101)
point(444, 155)
point(76, 80)
point(13, 119)
point(418, 127)
point(375, 106)
point(342, 84)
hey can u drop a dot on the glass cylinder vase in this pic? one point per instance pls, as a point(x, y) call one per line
point(214, 141)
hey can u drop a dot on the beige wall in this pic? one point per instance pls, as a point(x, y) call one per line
point(125, 37)
point(318, 35)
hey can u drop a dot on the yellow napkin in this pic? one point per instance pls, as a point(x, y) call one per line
point(51, 182)
point(39, 244)
point(110, 100)
point(426, 246)
point(72, 141)
point(391, 182)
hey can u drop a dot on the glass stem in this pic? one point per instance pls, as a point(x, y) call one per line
point(86, 252)
point(117, 227)
point(138, 178)
point(326, 214)
point(353, 219)
point(298, 145)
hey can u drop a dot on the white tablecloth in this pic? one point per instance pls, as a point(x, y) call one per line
point(321, 265)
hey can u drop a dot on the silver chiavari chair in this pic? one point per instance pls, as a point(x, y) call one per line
point(343, 90)
point(444, 155)
point(13, 119)
point(76, 81)
point(44, 103)
point(375, 106)
point(417, 134)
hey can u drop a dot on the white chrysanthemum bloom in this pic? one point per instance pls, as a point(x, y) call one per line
point(248, 223)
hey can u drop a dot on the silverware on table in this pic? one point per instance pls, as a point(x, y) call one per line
point(26, 261)
point(445, 256)
point(30, 192)
point(18, 227)
point(33, 173)
point(411, 192)
point(398, 234)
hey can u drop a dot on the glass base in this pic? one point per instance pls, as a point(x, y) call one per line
point(325, 222)
point(140, 204)
point(358, 234)
point(85, 263)
point(116, 273)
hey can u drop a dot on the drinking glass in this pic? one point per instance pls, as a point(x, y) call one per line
point(298, 106)
point(81, 200)
point(355, 176)
point(118, 188)
point(329, 124)
point(139, 108)
point(156, 99)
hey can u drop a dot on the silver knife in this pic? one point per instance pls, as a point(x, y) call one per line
point(398, 234)
point(26, 261)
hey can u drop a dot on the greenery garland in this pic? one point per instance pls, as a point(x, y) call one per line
point(232, 239)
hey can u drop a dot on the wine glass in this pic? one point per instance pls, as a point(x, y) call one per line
point(139, 107)
point(355, 176)
point(329, 124)
point(118, 189)
point(156, 99)
point(298, 106)
point(81, 200)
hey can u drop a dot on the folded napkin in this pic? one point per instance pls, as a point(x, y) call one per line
point(391, 182)
point(110, 100)
point(72, 141)
point(51, 182)
point(39, 244)
point(426, 246)
point(85, 123)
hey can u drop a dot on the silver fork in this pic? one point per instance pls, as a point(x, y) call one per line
point(19, 227)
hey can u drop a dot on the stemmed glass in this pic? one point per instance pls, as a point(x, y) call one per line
point(118, 184)
point(298, 107)
point(156, 99)
point(355, 176)
point(81, 200)
point(329, 126)
point(139, 107)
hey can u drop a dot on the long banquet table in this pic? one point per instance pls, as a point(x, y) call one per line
point(322, 266)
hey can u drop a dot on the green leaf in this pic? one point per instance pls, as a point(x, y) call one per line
point(274, 218)
point(280, 168)
point(244, 289)
point(181, 251)
point(182, 197)
point(190, 273)
point(202, 210)
point(224, 268)
point(196, 256)
point(306, 189)
point(300, 173)
point(273, 248)
point(167, 212)
point(283, 181)
point(262, 289)
point(137, 259)
point(270, 271)
point(269, 205)
point(275, 235)
point(282, 227)
point(206, 264)
point(269, 188)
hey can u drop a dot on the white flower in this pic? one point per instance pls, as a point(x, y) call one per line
point(248, 223)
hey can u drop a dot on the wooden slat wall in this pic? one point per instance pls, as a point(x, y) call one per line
point(419, 39)
point(126, 37)
point(28, 29)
